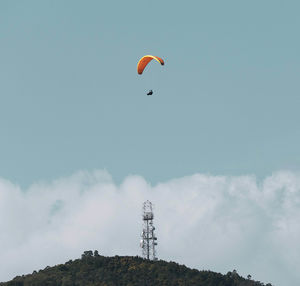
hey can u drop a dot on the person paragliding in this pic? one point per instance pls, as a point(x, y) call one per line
point(144, 61)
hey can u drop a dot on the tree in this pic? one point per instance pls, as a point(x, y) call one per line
point(67, 281)
point(87, 253)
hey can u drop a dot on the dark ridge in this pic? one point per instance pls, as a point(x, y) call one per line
point(96, 270)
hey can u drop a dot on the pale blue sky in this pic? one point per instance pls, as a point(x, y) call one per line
point(226, 101)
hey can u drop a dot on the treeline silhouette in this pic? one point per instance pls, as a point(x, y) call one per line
point(96, 270)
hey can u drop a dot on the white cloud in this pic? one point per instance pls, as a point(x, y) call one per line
point(206, 222)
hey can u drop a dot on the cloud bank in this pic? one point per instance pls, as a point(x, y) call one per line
point(218, 223)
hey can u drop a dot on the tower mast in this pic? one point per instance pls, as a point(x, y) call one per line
point(149, 240)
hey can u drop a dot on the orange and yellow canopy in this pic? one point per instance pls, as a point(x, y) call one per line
point(143, 62)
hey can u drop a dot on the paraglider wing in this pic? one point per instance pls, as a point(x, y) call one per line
point(143, 62)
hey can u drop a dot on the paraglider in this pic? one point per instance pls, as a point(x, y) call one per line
point(144, 61)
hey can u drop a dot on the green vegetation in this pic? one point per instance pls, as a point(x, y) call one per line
point(95, 270)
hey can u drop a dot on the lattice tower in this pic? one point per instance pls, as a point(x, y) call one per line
point(148, 242)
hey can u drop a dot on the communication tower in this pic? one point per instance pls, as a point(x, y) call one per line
point(149, 240)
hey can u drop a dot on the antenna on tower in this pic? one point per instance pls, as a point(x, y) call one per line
point(149, 240)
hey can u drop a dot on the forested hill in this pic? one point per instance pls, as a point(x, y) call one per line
point(95, 270)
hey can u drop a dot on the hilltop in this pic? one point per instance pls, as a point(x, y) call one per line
point(96, 270)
